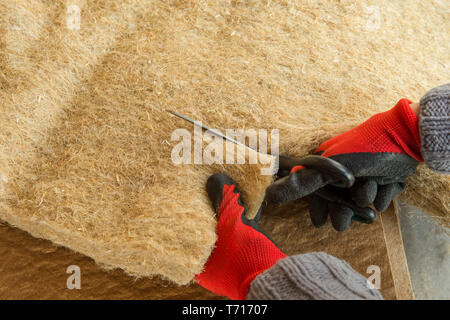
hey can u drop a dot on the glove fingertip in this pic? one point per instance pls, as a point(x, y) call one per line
point(385, 195)
point(365, 215)
point(382, 204)
point(365, 193)
point(318, 210)
point(214, 187)
point(341, 216)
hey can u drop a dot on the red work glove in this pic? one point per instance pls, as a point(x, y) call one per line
point(242, 251)
point(381, 153)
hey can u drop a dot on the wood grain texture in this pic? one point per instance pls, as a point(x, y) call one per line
point(33, 268)
point(396, 252)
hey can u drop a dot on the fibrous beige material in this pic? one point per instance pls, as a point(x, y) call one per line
point(86, 142)
point(85, 139)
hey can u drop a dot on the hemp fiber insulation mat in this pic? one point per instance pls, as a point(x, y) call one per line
point(85, 140)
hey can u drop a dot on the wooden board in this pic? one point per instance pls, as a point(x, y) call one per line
point(33, 268)
point(396, 252)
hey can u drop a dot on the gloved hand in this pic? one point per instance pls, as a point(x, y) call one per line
point(242, 251)
point(381, 153)
point(339, 205)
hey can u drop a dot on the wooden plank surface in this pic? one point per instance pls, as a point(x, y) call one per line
point(396, 252)
point(33, 268)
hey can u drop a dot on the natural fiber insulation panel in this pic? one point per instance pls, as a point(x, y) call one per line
point(86, 147)
point(85, 141)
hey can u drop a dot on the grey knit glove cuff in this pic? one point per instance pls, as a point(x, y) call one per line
point(312, 276)
point(434, 126)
